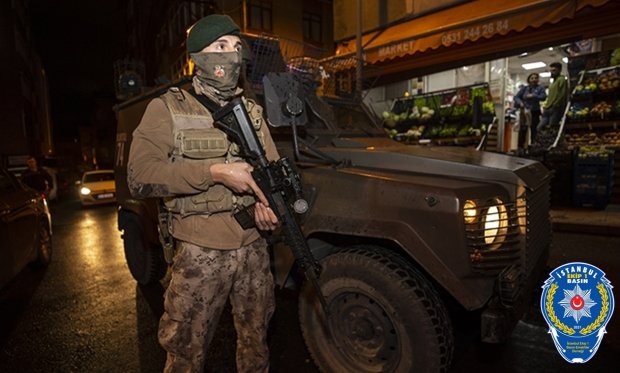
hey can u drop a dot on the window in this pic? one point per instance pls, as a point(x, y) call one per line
point(97, 177)
point(259, 14)
point(312, 27)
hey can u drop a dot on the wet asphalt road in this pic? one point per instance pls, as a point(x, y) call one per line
point(86, 314)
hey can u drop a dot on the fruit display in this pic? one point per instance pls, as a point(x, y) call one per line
point(601, 110)
point(615, 57)
point(609, 138)
point(609, 81)
point(585, 89)
point(594, 151)
point(596, 98)
point(578, 113)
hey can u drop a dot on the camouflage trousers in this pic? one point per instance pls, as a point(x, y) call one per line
point(202, 280)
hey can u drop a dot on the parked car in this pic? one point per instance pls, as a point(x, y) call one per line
point(25, 228)
point(97, 187)
point(51, 191)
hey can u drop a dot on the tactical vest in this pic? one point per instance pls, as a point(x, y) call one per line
point(195, 140)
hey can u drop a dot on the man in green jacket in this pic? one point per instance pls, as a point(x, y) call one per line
point(554, 106)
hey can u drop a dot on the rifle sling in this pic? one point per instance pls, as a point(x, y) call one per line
point(210, 104)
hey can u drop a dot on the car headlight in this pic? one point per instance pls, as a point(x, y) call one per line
point(84, 191)
point(488, 221)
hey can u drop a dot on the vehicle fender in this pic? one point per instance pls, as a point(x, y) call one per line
point(470, 292)
point(417, 215)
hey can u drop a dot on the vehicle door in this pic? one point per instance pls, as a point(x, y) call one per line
point(18, 221)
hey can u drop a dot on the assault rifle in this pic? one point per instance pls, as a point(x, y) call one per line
point(279, 182)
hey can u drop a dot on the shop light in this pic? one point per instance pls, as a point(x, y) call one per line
point(565, 59)
point(546, 74)
point(533, 65)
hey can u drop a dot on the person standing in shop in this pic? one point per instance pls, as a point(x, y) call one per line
point(554, 106)
point(178, 155)
point(528, 99)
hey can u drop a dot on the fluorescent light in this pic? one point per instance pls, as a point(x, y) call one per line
point(533, 65)
point(565, 59)
point(546, 74)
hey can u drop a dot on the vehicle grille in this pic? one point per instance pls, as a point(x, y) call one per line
point(526, 218)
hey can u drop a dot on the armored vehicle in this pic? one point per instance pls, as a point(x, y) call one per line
point(407, 236)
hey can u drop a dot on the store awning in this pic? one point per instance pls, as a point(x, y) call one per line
point(469, 22)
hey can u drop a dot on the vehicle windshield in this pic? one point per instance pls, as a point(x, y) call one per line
point(347, 117)
point(103, 176)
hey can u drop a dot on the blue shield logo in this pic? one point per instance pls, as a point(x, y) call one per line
point(577, 303)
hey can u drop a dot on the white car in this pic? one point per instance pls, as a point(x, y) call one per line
point(97, 187)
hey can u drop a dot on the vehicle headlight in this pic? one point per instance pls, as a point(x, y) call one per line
point(84, 191)
point(488, 221)
point(469, 211)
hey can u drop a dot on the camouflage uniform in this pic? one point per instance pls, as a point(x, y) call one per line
point(202, 281)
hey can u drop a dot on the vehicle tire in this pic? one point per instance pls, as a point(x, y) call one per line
point(384, 316)
point(146, 262)
point(43, 246)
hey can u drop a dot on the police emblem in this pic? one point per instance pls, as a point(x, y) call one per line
point(577, 303)
point(218, 71)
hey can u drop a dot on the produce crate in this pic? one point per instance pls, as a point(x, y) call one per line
point(560, 163)
point(593, 178)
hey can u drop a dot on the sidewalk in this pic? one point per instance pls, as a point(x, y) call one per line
point(587, 220)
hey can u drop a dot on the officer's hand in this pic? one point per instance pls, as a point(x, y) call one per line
point(238, 177)
point(264, 217)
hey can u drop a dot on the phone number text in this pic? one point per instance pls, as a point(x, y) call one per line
point(475, 32)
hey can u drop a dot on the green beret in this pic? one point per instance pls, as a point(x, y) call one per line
point(209, 29)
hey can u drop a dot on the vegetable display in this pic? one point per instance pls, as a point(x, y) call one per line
point(446, 115)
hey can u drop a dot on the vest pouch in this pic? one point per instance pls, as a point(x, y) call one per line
point(203, 143)
point(216, 199)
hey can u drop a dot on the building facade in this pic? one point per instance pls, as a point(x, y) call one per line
point(156, 51)
point(26, 122)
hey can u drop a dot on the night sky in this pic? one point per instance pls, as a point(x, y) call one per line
point(78, 42)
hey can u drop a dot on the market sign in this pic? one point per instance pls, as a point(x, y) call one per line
point(468, 22)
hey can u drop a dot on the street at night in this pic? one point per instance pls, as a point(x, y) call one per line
point(424, 167)
point(85, 313)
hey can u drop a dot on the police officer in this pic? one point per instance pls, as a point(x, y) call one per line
point(178, 155)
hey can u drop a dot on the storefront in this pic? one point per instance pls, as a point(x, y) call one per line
point(479, 31)
point(449, 51)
